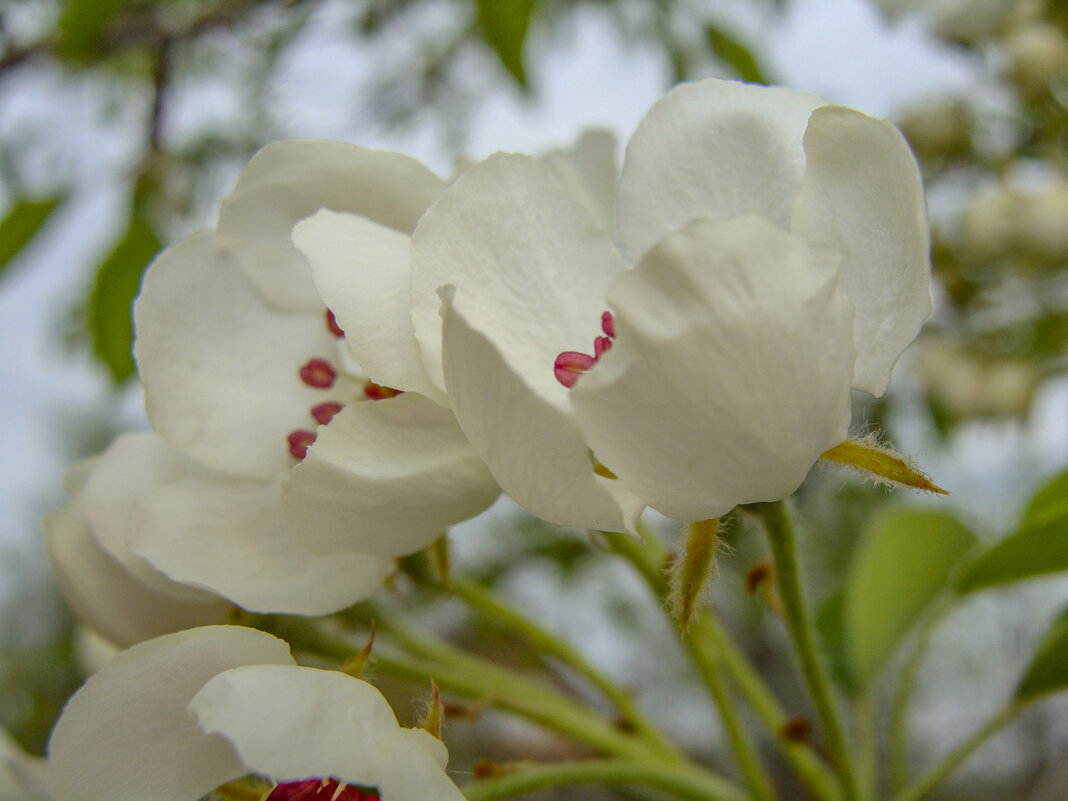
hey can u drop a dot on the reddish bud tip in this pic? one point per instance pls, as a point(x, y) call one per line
point(318, 373)
point(378, 392)
point(600, 345)
point(331, 323)
point(299, 442)
point(324, 412)
point(570, 364)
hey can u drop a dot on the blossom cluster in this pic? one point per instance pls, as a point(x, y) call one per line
point(361, 354)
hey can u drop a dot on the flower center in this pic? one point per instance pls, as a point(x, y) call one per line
point(319, 373)
point(570, 364)
point(320, 790)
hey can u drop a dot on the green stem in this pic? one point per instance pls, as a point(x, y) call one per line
point(956, 757)
point(709, 666)
point(899, 713)
point(466, 675)
point(781, 537)
point(683, 782)
point(708, 632)
point(867, 748)
point(523, 697)
point(493, 606)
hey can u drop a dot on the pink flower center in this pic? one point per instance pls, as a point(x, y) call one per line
point(319, 790)
point(321, 374)
point(570, 364)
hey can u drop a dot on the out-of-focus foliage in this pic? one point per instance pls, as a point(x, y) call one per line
point(1038, 547)
point(22, 222)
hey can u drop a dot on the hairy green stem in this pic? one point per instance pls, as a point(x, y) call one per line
point(494, 607)
point(957, 757)
point(709, 633)
point(709, 666)
point(781, 537)
point(681, 781)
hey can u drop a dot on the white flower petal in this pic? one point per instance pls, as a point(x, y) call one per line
point(534, 449)
point(132, 466)
point(126, 735)
point(288, 181)
point(730, 371)
point(231, 537)
point(221, 368)
point(299, 722)
point(386, 477)
point(524, 254)
point(588, 171)
point(364, 273)
point(105, 595)
point(862, 194)
point(713, 148)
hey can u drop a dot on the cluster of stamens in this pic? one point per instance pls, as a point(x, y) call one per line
point(319, 790)
point(571, 364)
point(321, 374)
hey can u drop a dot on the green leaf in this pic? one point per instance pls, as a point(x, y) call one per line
point(1049, 503)
point(110, 305)
point(1048, 671)
point(81, 25)
point(1034, 550)
point(21, 224)
point(830, 626)
point(729, 49)
point(505, 24)
point(902, 563)
point(1038, 547)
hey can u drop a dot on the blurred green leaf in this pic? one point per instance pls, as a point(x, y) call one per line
point(505, 24)
point(21, 224)
point(830, 625)
point(110, 305)
point(1050, 502)
point(1048, 671)
point(903, 562)
point(1034, 550)
point(81, 24)
point(729, 49)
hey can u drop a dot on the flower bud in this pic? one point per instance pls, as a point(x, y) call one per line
point(938, 129)
point(1043, 223)
point(1037, 53)
point(989, 224)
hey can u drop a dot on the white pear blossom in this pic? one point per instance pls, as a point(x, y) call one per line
point(772, 253)
point(116, 593)
point(184, 538)
point(175, 717)
point(373, 305)
point(247, 371)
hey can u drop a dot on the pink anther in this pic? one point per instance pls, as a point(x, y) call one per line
point(299, 442)
point(608, 324)
point(324, 412)
point(331, 323)
point(318, 373)
point(570, 365)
